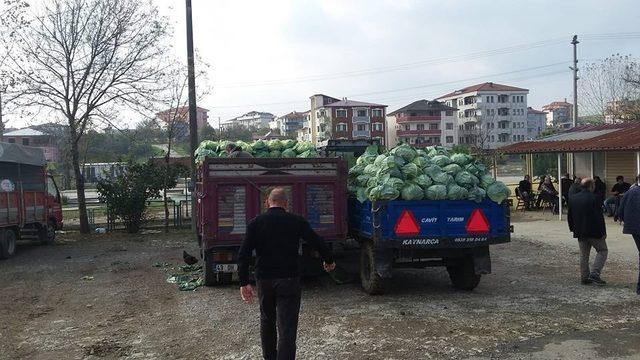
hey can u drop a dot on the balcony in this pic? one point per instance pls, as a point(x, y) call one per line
point(361, 119)
point(361, 133)
point(417, 118)
point(425, 144)
point(418, 132)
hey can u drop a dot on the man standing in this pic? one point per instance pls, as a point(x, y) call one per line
point(565, 185)
point(629, 213)
point(275, 237)
point(587, 224)
point(617, 191)
point(524, 188)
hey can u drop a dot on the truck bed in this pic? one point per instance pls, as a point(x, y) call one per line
point(428, 224)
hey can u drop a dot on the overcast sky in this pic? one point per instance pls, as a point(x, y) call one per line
point(272, 55)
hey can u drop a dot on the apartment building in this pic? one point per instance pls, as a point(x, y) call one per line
point(489, 115)
point(559, 114)
point(536, 123)
point(289, 124)
point(331, 118)
point(35, 138)
point(425, 123)
point(181, 116)
point(252, 120)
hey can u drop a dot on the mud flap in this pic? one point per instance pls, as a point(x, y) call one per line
point(481, 260)
point(383, 262)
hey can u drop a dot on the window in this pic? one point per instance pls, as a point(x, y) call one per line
point(514, 138)
point(341, 127)
point(12, 140)
point(449, 139)
point(362, 112)
point(433, 126)
point(449, 126)
point(341, 113)
point(362, 127)
point(493, 138)
point(25, 141)
point(377, 127)
point(376, 112)
point(407, 127)
point(420, 127)
point(514, 111)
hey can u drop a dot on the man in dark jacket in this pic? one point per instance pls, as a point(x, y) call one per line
point(275, 237)
point(617, 191)
point(586, 221)
point(524, 188)
point(629, 213)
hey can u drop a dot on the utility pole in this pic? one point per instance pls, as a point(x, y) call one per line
point(575, 43)
point(193, 123)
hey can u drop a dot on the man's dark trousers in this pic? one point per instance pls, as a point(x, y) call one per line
point(636, 238)
point(279, 303)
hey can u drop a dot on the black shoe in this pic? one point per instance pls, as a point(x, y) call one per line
point(586, 281)
point(595, 278)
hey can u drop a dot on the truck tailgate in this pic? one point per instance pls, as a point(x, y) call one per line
point(430, 224)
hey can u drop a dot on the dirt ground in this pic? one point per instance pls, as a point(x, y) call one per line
point(531, 307)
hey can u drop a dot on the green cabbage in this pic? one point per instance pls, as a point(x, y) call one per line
point(410, 171)
point(423, 180)
point(476, 194)
point(383, 192)
point(455, 192)
point(441, 160)
point(498, 192)
point(452, 169)
point(275, 145)
point(486, 180)
point(461, 159)
point(465, 179)
point(411, 191)
point(290, 153)
point(420, 161)
point(443, 178)
point(436, 192)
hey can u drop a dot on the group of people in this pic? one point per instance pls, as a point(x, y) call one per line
point(586, 221)
point(568, 186)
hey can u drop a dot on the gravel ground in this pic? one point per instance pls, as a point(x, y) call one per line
point(531, 307)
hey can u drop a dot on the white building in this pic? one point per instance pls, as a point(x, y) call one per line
point(289, 124)
point(559, 114)
point(489, 115)
point(536, 123)
point(304, 133)
point(253, 120)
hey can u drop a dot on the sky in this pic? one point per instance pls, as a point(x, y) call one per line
point(272, 55)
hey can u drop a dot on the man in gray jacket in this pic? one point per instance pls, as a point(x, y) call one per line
point(629, 213)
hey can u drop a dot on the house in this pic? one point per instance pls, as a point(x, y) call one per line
point(621, 111)
point(181, 117)
point(250, 120)
point(490, 115)
point(346, 119)
point(304, 133)
point(35, 138)
point(425, 123)
point(536, 123)
point(289, 124)
point(559, 114)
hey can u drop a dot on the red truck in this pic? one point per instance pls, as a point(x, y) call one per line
point(232, 191)
point(30, 206)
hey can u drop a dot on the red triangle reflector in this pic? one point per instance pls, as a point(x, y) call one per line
point(477, 223)
point(407, 225)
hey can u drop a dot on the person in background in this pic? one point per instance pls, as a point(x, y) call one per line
point(586, 221)
point(601, 189)
point(617, 191)
point(275, 236)
point(549, 194)
point(524, 188)
point(575, 188)
point(565, 185)
point(539, 189)
point(629, 213)
point(236, 151)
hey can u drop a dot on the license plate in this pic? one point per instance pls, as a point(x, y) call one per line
point(226, 267)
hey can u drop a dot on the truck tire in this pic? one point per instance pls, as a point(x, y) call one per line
point(372, 283)
point(7, 243)
point(47, 234)
point(463, 275)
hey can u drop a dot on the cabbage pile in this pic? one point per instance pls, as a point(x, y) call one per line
point(434, 174)
point(259, 149)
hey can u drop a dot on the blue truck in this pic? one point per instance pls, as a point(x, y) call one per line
point(425, 233)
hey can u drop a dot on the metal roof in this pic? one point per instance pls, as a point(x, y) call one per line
point(347, 103)
point(488, 86)
point(613, 137)
point(25, 132)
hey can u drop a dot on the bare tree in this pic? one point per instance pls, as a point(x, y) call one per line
point(604, 87)
point(83, 58)
point(173, 115)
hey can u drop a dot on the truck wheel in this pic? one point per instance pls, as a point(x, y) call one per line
point(463, 275)
point(7, 244)
point(47, 234)
point(372, 283)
